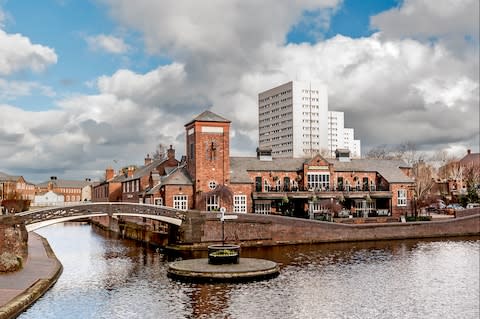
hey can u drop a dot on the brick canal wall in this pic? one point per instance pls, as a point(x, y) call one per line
point(13, 243)
point(134, 228)
point(201, 229)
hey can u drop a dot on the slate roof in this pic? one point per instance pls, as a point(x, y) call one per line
point(10, 178)
point(65, 183)
point(142, 171)
point(177, 176)
point(208, 116)
point(389, 169)
point(471, 158)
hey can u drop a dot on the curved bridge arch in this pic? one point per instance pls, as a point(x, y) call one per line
point(48, 216)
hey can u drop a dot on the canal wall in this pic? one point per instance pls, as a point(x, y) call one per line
point(19, 290)
point(13, 243)
point(139, 229)
point(202, 229)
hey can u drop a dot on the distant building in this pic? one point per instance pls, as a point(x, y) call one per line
point(15, 187)
point(72, 190)
point(49, 199)
point(294, 121)
point(341, 137)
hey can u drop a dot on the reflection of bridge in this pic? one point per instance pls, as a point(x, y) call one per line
point(52, 215)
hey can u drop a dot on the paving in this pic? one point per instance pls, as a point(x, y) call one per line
point(200, 270)
point(40, 266)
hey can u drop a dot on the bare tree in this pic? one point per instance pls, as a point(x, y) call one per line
point(379, 152)
point(423, 176)
point(408, 152)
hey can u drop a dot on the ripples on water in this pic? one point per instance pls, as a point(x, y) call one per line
point(106, 277)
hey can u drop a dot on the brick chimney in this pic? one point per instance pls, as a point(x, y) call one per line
point(171, 153)
point(469, 151)
point(148, 160)
point(130, 171)
point(109, 173)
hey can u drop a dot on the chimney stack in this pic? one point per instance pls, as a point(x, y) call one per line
point(109, 173)
point(131, 169)
point(171, 153)
point(148, 160)
point(469, 151)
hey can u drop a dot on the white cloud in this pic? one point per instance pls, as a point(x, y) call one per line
point(456, 23)
point(107, 43)
point(17, 53)
point(392, 89)
point(9, 90)
point(428, 18)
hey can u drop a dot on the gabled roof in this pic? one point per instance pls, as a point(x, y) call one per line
point(142, 171)
point(208, 116)
point(471, 158)
point(11, 178)
point(179, 176)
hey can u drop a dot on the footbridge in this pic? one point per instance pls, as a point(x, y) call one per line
point(36, 219)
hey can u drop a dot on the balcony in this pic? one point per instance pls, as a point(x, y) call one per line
point(293, 192)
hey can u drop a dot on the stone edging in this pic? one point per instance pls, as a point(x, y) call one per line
point(24, 300)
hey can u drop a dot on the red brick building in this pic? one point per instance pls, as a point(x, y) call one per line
point(15, 187)
point(209, 178)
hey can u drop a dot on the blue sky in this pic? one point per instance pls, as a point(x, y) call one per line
point(86, 82)
point(64, 25)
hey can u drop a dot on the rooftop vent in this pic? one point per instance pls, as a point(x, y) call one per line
point(342, 154)
point(264, 154)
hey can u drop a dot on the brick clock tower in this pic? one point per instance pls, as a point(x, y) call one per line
point(208, 151)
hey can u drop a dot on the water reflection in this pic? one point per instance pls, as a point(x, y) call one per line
point(107, 277)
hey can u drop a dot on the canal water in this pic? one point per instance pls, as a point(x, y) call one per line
point(106, 277)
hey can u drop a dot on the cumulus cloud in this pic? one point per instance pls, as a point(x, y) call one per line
point(17, 53)
point(10, 90)
point(392, 87)
point(107, 43)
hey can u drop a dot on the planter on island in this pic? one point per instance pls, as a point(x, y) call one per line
point(223, 254)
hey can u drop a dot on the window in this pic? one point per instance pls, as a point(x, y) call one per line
point(340, 183)
point(266, 186)
point(158, 201)
point(318, 180)
point(180, 202)
point(212, 185)
point(240, 203)
point(402, 197)
point(258, 184)
point(212, 203)
point(262, 208)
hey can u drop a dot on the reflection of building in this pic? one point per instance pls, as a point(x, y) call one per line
point(15, 187)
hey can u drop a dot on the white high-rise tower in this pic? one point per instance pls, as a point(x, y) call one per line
point(293, 119)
